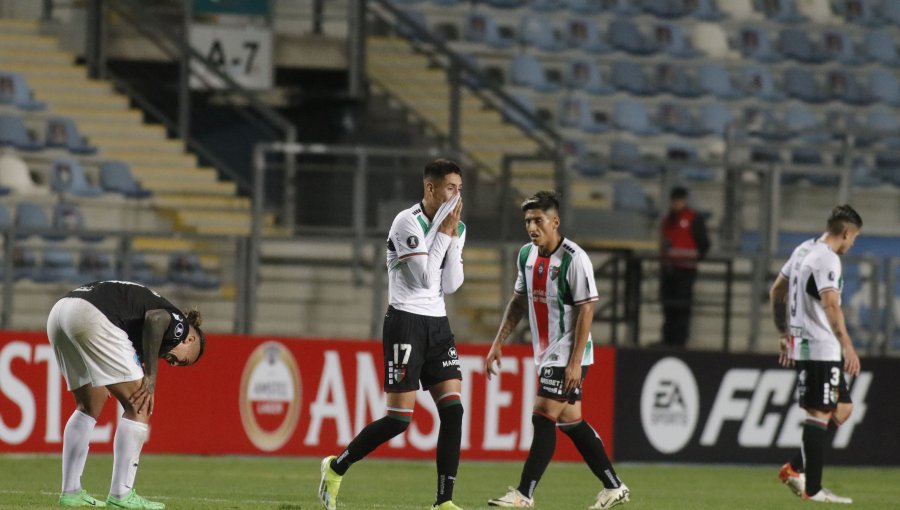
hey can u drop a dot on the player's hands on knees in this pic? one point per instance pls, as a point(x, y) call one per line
point(784, 354)
point(142, 398)
point(572, 378)
point(492, 357)
point(851, 362)
point(450, 225)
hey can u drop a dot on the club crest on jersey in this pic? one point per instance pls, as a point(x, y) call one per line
point(554, 272)
point(179, 330)
point(412, 242)
point(452, 353)
point(541, 269)
point(548, 371)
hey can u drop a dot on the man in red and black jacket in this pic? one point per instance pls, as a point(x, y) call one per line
point(684, 241)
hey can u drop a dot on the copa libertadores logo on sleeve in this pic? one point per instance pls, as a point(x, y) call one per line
point(270, 396)
point(670, 405)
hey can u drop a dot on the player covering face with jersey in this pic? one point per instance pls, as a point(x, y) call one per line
point(556, 289)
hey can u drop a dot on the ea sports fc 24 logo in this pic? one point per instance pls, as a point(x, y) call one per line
point(670, 404)
point(270, 396)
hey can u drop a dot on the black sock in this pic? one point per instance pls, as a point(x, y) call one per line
point(449, 438)
point(797, 461)
point(814, 433)
point(590, 446)
point(374, 435)
point(542, 446)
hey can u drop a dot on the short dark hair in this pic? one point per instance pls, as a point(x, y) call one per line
point(438, 169)
point(195, 319)
point(678, 192)
point(841, 215)
point(543, 200)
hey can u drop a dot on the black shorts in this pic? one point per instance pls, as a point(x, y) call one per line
point(550, 384)
point(417, 348)
point(822, 385)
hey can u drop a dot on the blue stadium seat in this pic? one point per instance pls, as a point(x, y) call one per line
point(758, 82)
point(547, 5)
point(14, 90)
point(185, 269)
point(795, 43)
point(515, 117)
point(714, 79)
point(141, 271)
point(67, 176)
point(13, 133)
point(707, 10)
point(666, 8)
point(625, 156)
point(67, 218)
point(482, 28)
point(62, 132)
point(95, 266)
point(782, 11)
point(761, 122)
point(861, 12)
point(586, 6)
point(755, 43)
point(882, 124)
point(447, 3)
point(115, 176)
point(884, 86)
point(57, 265)
point(675, 79)
point(890, 10)
point(683, 157)
point(6, 219)
point(584, 33)
point(528, 71)
point(842, 85)
point(671, 39)
point(676, 118)
point(887, 166)
point(30, 216)
point(577, 112)
point(538, 31)
point(880, 45)
point(625, 35)
point(802, 123)
point(584, 161)
point(24, 263)
point(632, 116)
point(627, 75)
point(801, 84)
point(715, 118)
point(505, 4)
point(584, 74)
point(864, 176)
point(839, 45)
point(623, 7)
point(628, 195)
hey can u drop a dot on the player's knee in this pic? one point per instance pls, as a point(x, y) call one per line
point(395, 424)
point(841, 414)
point(451, 414)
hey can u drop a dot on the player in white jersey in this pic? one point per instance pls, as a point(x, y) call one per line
point(424, 262)
point(556, 288)
point(806, 306)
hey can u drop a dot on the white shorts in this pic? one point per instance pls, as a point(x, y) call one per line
point(89, 348)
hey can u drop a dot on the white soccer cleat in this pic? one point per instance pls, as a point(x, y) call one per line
point(826, 496)
point(795, 481)
point(608, 498)
point(512, 499)
point(329, 484)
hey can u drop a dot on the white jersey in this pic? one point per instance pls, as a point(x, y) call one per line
point(812, 269)
point(422, 268)
point(555, 285)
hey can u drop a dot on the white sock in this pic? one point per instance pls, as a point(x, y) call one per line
point(130, 437)
point(76, 441)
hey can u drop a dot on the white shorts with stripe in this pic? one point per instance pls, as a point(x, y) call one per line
point(88, 347)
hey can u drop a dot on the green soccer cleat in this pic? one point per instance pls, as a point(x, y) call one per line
point(329, 484)
point(80, 499)
point(446, 505)
point(133, 501)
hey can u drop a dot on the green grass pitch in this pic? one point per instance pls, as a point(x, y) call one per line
point(191, 482)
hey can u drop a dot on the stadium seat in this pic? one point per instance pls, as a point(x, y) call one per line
point(13, 133)
point(62, 132)
point(116, 177)
point(714, 79)
point(141, 271)
point(843, 86)
point(675, 118)
point(586, 6)
point(715, 118)
point(585, 161)
point(510, 114)
point(884, 86)
point(538, 31)
point(666, 8)
point(887, 166)
point(674, 79)
point(801, 122)
point(14, 90)
point(839, 45)
point(782, 11)
point(30, 216)
point(67, 176)
point(185, 269)
point(447, 3)
point(707, 10)
point(710, 39)
point(528, 71)
point(890, 10)
point(627, 75)
point(671, 39)
point(6, 219)
point(576, 111)
point(684, 159)
point(15, 177)
point(632, 116)
point(623, 7)
point(625, 156)
point(24, 263)
point(95, 266)
point(625, 35)
point(801, 84)
point(505, 4)
point(67, 217)
point(880, 45)
point(762, 123)
point(861, 12)
point(758, 82)
point(584, 74)
point(628, 195)
point(547, 5)
point(482, 28)
point(583, 33)
point(863, 175)
point(755, 43)
point(57, 265)
point(796, 44)
point(882, 124)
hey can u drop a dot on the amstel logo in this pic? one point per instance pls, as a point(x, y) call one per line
point(270, 396)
